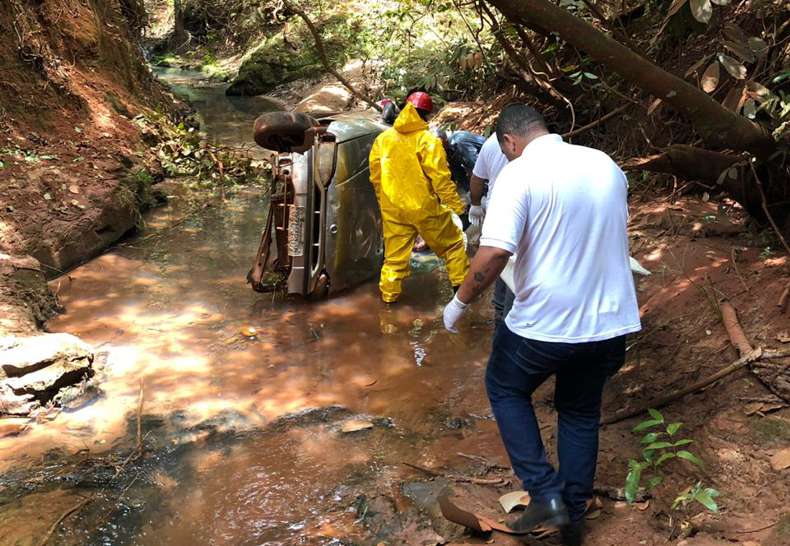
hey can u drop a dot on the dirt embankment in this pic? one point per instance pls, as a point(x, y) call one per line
point(75, 171)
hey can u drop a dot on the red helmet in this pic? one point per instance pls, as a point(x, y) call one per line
point(421, 100)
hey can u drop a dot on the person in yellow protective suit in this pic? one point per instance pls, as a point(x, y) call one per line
point(409, 171)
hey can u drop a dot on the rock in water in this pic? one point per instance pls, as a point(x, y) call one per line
point(329, 99)
point(33, 369)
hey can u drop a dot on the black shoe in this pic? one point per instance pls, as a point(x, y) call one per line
point(550, 512)
point(572, 534)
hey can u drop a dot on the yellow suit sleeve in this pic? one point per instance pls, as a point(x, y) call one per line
point(434, 164)
point(374, 162)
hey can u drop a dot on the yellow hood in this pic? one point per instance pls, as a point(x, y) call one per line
point(409, 120)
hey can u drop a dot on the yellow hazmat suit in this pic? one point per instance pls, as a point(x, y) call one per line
point(409, 171)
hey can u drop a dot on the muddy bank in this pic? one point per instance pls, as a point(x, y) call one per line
point(73, 165)
point(86, 136)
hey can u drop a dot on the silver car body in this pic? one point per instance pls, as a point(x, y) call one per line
point(325, 213)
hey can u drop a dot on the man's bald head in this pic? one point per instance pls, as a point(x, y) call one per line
point(517, 125)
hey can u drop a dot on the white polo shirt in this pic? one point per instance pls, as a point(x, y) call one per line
point(562, 209)
point(490, 162)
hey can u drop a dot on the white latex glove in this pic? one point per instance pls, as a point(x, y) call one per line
point(452, 312)
point(476, 215)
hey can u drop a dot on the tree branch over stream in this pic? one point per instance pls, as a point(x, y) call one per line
point(319, 46)
point(719, 126)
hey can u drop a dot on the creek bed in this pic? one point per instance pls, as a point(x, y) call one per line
point(172, 316)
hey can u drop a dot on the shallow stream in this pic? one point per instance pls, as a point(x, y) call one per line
point(223, 374)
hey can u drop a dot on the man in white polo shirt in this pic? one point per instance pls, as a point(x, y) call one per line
point(490, 162)
point(562, 210)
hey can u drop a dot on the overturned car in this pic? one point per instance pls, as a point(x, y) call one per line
point(323, 228)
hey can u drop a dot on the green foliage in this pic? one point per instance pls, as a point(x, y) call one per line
point(660, 446)
point(704, 495)
point(143, 177)
point(423, 43)
point(288, 56)
point(183, 151)
point(28, 156)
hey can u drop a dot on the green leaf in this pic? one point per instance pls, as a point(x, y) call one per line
point(632, 480)
point(659, 445)
point(705, 498)
point(664, 458)
point(2, 165)
point(683, 442)
point(644, 425)
point(673, 428)
point(655, 414)
point(654, 482)
point(649, 438)
point(687, 455)
point(590, 75)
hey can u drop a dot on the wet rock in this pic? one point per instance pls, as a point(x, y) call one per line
point(457, 423)
point(309, 416)
point(13, 404)
point(276, 61)
point(78, 396)
point(330, 99)
point(34, 369)
point(225, 421)
point(25, 299)
point(13, 426)
point(381, 516)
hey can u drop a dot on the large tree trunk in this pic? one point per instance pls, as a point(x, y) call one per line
point(179, 35)
point(719, 127)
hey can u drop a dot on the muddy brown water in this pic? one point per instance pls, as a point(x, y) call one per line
point(222, 371)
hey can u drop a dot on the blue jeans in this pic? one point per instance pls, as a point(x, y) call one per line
point(516, 368)
point(502, 300)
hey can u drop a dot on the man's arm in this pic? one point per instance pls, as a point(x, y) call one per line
point(477, 186)
point(486, 266)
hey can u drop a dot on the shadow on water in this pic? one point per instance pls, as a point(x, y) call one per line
point(219, 366)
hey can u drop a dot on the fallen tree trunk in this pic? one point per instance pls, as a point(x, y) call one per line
point(720, 128)
point(729, 172)
point(685, 161)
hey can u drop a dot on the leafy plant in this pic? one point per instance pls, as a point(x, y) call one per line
point(662, 445)
point(704, 495)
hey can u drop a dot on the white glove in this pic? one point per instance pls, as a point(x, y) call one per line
point(476, 215)
point(452, 312)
